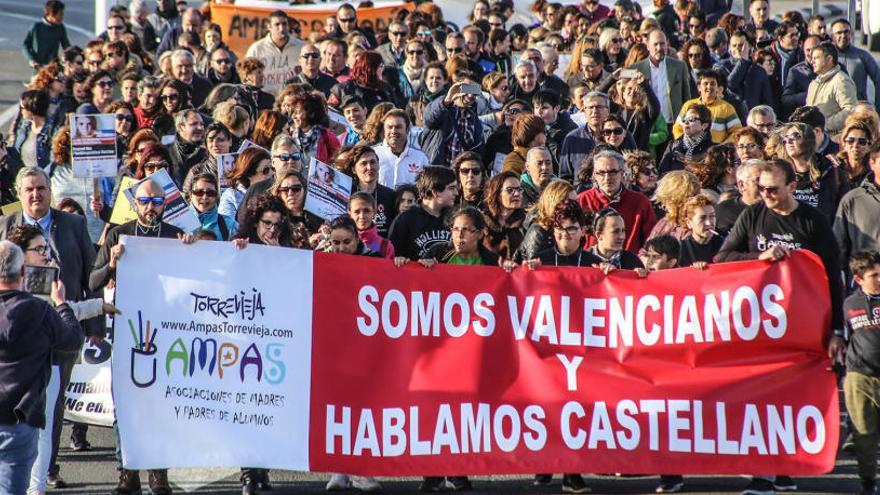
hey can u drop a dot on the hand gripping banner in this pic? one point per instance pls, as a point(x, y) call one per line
point(348, 364)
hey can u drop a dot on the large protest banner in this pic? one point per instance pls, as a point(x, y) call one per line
point(470, 370)
point(247, 21)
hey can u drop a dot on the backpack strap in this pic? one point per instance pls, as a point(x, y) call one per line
point(224, 229)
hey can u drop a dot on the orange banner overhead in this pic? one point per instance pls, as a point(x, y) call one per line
point(242, 25)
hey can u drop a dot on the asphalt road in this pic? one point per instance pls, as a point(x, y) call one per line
point(94, 472)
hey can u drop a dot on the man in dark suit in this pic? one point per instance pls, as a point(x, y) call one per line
point(72, 250)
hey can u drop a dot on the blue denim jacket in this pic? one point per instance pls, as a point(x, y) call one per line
point(44, 140)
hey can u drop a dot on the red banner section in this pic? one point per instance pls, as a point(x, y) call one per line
point(469, 370)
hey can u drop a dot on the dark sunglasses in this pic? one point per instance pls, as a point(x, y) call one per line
point(120, 117)
point(211, 193)
point(454, 50)
point(854, 140)
point(175, 96)
point(105, 84)
point(222, 61)
point(286, 157)
point(768, 190)
point(145, 200)
point(617, 131)
point(470, 171)
point(155, 165)
point(310, 55)
point(296, 188)
point(415, 52)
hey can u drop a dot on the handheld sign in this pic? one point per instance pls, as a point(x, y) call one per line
point(93, 145)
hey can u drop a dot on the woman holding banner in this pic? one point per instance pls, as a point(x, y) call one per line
point(504, 215)
point(203, 196)
point(290, 187)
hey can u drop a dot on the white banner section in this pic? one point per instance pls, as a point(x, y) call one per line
point(212, 355)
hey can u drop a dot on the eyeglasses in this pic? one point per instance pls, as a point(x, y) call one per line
point(415, 52)
point(43, 249)
point(424, 33)
point(617, 40)
point(398, 33)
point(596, 107)
point(470, 171)
point(308, 55)
point(649, 171)
point(512, 111)
point(296, 188)
point(768, 190)
point(746, 146)
point(105, 84)
point(224, 61)
point(606, 173)
point(616, 131)
point(513, 190)
point(156, 201)
point(286, 157)
point(792, 138)
point(268, 224)
point(173, 96)
point(454, 50)
point(346, 20)
point(691, 120)
point(121, 117)
point(569, 231)
point(211, 193)
point(860, 141)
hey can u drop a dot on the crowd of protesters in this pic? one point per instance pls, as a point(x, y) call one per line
point(598, 136)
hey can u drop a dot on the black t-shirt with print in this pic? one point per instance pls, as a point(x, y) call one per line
point(759, 228)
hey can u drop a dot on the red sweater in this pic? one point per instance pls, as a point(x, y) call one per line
point(635, 208)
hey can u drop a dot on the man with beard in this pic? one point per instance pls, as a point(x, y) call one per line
point(150, 205)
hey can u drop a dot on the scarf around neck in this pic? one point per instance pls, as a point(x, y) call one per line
point(690, 144)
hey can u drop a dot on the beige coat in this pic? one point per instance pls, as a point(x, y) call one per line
point(834, 93)
point(280, 62)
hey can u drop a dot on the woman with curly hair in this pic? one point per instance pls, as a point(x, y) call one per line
point(643, 172)
point(366, 82)
point(716, 171)
point(308, 132)
point(504, 214)
point(696, 56)
point(637, 52)
point(100, 84)
point(266, 222)
point(673, 191)
point(51, 78)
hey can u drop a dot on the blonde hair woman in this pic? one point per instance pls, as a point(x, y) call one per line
point(673, 191)
point(539, 235)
